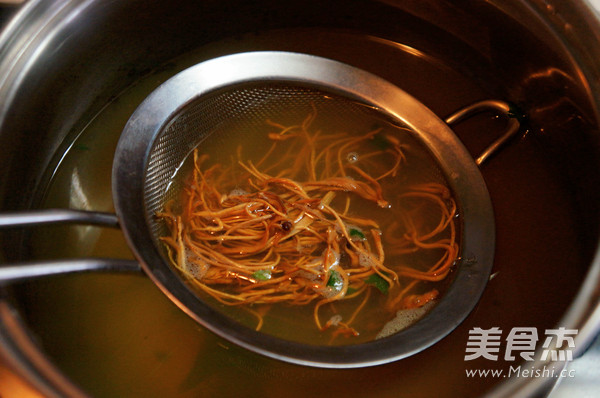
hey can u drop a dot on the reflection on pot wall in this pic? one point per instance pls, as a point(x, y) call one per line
point(90, 63)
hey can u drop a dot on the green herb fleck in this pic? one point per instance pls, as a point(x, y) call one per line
point(335, 280)
point(381, 284)
point(262, 275)
point(356, 234)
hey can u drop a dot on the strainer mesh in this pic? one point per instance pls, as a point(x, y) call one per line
point(239, 110)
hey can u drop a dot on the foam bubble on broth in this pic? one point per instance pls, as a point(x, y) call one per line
point(403, 319)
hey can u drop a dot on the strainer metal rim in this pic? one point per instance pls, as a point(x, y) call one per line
point(461, 172)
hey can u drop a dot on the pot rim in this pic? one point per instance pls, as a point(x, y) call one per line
point(37, 20)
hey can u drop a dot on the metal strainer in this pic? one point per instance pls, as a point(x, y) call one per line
point(237, 93)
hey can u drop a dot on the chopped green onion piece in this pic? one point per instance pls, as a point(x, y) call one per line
point(381, 284)
point(262, 275)
point(356, 234)
point(335, 280)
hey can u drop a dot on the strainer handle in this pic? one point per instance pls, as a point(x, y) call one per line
point(10, 273)
point(501, 107)
point(31, 218)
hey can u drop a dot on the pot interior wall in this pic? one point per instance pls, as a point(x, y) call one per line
point(117, 335)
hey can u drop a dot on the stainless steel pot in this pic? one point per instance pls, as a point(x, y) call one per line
point(62, 62)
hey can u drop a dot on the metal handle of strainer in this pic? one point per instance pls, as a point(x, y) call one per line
point(495, 106)
point(10, 273)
